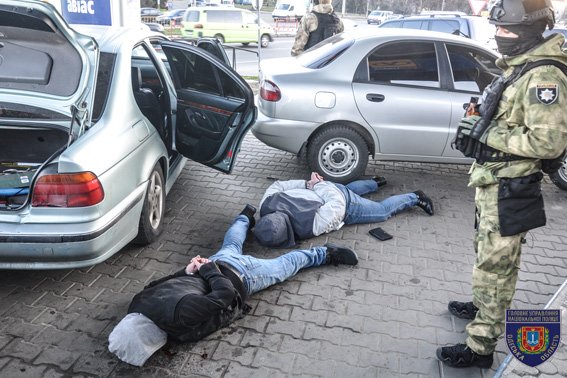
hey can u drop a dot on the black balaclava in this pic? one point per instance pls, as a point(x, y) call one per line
point(528, 37)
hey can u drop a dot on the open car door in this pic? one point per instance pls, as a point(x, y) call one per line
point(215, 106)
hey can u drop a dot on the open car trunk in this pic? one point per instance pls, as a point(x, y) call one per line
point(23, 149)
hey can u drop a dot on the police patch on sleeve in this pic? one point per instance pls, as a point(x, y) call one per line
point(547, 93)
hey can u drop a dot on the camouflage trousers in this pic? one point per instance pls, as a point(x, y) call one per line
point(495, 273)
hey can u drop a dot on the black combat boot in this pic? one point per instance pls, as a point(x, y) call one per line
point(380, 180)
point(249, 212)
point(461, 356)
point(340, 255)
point(463, 310)
point(424, 202)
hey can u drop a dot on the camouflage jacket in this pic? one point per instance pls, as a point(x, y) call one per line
point(530, 120)
point(307, 25)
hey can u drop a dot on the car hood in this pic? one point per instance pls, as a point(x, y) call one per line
point(43, 62)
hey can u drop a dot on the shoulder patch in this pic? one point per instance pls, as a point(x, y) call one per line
point(547, 93)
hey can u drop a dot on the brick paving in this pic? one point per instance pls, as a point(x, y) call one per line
point(382, 318)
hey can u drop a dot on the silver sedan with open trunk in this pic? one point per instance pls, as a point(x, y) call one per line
point(94, 130)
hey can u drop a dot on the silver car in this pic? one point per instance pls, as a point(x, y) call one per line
point(94, 130)
point(395, 94)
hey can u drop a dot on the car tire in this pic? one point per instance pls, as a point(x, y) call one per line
point(220, 37)
point(264, 40)
point(245, 43)
point(559, 178)
point(151, 220)
point(339, 153)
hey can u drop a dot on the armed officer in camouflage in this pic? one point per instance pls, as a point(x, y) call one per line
point(522, 127)
point(317, 25)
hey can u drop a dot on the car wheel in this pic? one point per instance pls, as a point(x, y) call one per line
point(245, 43)
point(265, 40)
point(338, 153)
point(219, 37)
point(559, 178)
point(151, 220)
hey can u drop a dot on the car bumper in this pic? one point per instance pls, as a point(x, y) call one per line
point(65, 246)
point(283, 134)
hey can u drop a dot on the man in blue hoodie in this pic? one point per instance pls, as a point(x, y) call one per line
point(302, 209)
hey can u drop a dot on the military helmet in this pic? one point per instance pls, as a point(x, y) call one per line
point(521, 12)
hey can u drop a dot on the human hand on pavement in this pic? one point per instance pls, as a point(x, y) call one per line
point(195, 264)
point(315, 178)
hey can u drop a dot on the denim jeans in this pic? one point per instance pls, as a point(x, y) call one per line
point(258, 274)
point(362, 210)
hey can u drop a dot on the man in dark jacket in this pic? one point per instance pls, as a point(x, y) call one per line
point(210, 293)
point(301, 209)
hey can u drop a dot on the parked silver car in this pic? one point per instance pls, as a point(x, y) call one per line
point(395, 94)
point(94, 130)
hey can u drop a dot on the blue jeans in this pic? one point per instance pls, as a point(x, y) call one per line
point(362, 210)
point(258, 274)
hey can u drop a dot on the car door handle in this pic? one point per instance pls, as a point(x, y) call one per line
point(374, 97)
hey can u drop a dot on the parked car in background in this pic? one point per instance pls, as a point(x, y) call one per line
point(394, 94)
point(227, 24)
point(290, 9)
point(174, 16)
point(87, 130)
point(474, 27)
point(378, 16)
point(149, 14)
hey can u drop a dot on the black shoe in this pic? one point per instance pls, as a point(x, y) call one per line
point(380, 180)
point(463, 310)
point(249, 212)
point(461, 356)
point(424, 202)
point(340, 255)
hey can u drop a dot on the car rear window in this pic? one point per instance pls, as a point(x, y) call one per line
point(446, 26)
point(326, 51)
point(415, 24)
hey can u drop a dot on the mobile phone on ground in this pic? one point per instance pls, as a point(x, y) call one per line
point(380, 234)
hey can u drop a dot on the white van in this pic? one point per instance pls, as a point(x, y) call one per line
point(290, 9)
point(378, 16)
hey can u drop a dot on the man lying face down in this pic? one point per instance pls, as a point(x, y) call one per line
point(209, 293)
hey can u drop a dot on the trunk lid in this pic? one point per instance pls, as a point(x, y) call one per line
point(44, 63)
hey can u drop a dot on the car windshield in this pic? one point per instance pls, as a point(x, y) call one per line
point(326, 51)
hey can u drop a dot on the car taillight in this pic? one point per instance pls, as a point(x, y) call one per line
point(67, 190)
point(198, 26)
point(270, 91)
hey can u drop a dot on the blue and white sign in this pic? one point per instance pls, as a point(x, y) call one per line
point(88, 12)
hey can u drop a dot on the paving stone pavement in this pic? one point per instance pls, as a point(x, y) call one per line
point(382, 318)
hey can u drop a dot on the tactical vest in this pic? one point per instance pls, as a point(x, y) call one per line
point(327, 26)
point(470, 146)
